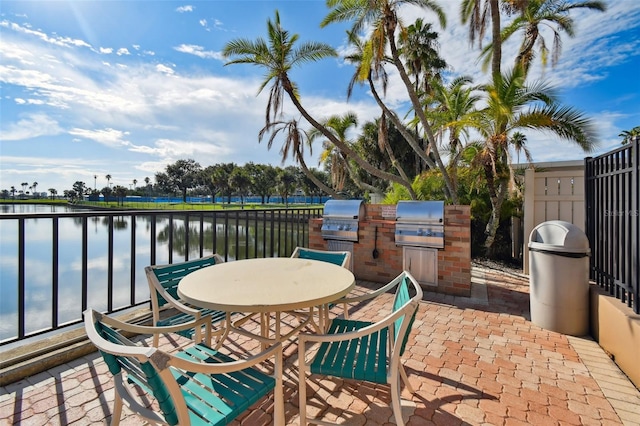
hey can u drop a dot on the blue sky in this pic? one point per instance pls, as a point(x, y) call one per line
point(126, 87)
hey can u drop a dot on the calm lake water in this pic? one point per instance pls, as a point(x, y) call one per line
point(39, 252)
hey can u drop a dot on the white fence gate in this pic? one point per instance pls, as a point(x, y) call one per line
point(552, 191)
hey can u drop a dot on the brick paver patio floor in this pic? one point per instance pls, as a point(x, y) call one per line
point(472, 361)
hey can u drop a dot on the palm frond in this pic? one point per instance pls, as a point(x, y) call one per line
point(563, 121)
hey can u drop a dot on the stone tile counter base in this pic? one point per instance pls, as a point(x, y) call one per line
point(454, 261)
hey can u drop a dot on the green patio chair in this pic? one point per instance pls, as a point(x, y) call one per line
point(194, 386)
point(163, 287)
point(363, 350)
point(340, 258)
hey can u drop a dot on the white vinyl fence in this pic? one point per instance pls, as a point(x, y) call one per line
point(552, 191)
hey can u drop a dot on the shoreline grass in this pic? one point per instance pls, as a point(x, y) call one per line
point(140, 205)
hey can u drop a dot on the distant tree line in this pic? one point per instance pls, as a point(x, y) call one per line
point(186, 177)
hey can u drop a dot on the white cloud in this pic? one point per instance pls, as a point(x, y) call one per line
point(108, 136)
point(21, 101)
point(106, 50)
point(218, 24)
point(203, 22)
point(186, 8)
point(123, 51)
point(31, 126)
point(164, 69)
point(198, 51)
point(59, 41)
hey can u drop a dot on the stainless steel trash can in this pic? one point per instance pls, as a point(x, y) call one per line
point(559, 277)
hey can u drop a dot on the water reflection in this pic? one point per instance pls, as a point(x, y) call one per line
point(176, 241)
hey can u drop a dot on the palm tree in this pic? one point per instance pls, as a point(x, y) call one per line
point(279, 56)
point(381, 15)
point(34, 185)
point(418, 46)
point(511, 106)
point(518, 141)
point(13, 191)
point(627, 135)
point(476, 12)
point(356, 57)
point(53, 192)
point(553, 14)
point(452, 105)
point(108, 177)
point(333, 159)
point(294, 142)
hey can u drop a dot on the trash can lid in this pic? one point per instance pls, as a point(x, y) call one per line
point(560, 236)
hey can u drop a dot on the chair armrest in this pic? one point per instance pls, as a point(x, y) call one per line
point(176, 303)
point(372, 294)
point(227, 367)
point(370, 329)
point(150, 330)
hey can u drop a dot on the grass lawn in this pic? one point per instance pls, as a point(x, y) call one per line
point(140, 205)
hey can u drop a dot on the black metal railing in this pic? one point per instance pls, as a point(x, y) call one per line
point(612, 202)
point(154, 236)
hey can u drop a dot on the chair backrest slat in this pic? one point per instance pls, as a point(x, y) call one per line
point(401, 298)
point(335, 258)
point(141, 373)
point(339, 258)
point(169, 276)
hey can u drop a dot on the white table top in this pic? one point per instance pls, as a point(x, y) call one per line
point(266, 285)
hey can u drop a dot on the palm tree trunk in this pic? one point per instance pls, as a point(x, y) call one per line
point(394, 161)
point(497, 196)
point(337, 142)
point(314, 179)
point(415, 101)
point(401, 128)
point(525, 55)
point(354, 177)
point(496, 39)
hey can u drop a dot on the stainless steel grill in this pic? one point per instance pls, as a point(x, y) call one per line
point(420, 224)
point(340, 219)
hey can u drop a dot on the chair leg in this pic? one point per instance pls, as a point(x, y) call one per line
point(156, 340)
point(117, 408)
point(302, 387)
point(225, 326)
point(395, 399)
point(278, 396)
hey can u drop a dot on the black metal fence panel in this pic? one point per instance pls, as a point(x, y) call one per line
point(97, 258)
point(613, 221)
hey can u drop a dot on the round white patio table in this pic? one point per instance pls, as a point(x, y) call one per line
point(266, 286)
